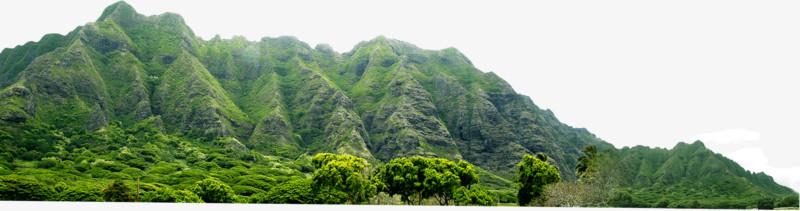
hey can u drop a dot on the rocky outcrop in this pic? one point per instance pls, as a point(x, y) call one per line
point(406, 124)
point(190, 99)
point(331, 112)
point(382, 100)
point(483, 135)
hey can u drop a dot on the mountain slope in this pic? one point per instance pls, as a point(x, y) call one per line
point(384, 99)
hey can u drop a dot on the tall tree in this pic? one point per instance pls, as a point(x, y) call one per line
point(345, 173)
point(533, 175)
point(586, 161)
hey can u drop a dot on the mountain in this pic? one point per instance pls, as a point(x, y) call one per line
point(147, 84)
point(382, 100)
point(690, 172)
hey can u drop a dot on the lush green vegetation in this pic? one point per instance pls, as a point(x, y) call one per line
point(136, 108)
point(533, 176)
point(417, 178)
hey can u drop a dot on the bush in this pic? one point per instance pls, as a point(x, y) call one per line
point(133, 172)
point(136, 163)
point(289, 192)
point(766, 203)
point(245, 190)
point(662, 203)
point(164, 168)
point(788, 201)
point(82, 193)
point(31, 155)
point(214, 191)
point(170, 195)
point(17, 188)
point(117, 191)
point(473, 196)
point(109, 165)
point(48, 162)
point(97, 173)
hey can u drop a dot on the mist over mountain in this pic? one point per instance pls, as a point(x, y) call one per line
point(280, 97)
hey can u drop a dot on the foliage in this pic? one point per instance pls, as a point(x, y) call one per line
point(19, 188)
point(170, 195)
point(594, 188)
point(623, 198)
point(211, 190)
point(136, 97)
point(788, 201)
point(344, 173)
point(473, 196)
point(82, 192)
point(118, 191)
point(288, 192)
point(417, 178)
point(586, 161)
point(766, 203)
point(533, 176)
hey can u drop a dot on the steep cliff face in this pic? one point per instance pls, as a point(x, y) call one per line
point(382, 100)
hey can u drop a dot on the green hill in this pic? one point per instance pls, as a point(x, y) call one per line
point(141, 97)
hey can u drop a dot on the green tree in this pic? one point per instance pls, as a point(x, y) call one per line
point(788, 201)
point(417, 178)
point(211, 190)
point(117, 191)
point(345, 173)
point(170, 195)
point(766, 203)
point(473, 196)
point(662, 203)
point(533, 176)
point(586, 161)
point(622, 198)
point(18, 188)
point(297, 191)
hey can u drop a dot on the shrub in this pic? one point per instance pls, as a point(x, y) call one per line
point(214, 191)
point(18, 188)
point(48, 162)
point(788, 201)
point(170, 195)
point(83, 192)
point(117, 191)
point(766, 203)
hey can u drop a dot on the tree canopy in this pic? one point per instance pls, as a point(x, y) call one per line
point(170, 195)
point(118, 191)
point(345, 173)
point(417, 178)
point(586, 161)
point(212, 190)
point(533, 175)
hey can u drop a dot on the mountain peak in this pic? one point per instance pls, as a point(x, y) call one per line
point(121, 12)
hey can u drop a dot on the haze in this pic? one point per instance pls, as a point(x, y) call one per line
point(632, 72)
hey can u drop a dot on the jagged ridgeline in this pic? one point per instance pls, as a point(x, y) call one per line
point(384, 99)
point(130, 77)
point(692, 172)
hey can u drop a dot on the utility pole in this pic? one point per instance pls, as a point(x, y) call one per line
point(137, 189)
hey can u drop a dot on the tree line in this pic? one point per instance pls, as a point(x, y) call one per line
point(347, 179)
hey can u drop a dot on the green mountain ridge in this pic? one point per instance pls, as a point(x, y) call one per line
point(692, 172)
point(382, 100)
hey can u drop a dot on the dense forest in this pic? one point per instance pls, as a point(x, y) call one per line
point(138, 108)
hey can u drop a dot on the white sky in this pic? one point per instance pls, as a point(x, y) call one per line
point(633, 72)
